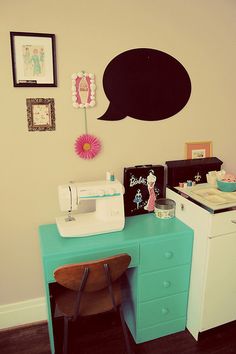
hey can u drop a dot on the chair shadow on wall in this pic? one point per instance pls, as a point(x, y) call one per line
point(88, 289)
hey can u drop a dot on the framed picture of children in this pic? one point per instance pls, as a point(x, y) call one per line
point(33, 59)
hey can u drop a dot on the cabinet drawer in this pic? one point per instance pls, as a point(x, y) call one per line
point(52, 263)
point(160, 330)
point(166, 253)
point(163, 310)
point(223, 223)
point(164, 283)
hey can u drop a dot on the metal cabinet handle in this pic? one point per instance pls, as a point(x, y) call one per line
point(169, 254)
point(164, 311)
point(166, 283)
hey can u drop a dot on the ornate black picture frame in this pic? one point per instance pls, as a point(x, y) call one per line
point(40, 114)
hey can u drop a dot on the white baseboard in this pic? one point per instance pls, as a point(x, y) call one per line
point(19, 313)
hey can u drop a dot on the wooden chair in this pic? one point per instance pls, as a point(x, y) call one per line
point(91, 288)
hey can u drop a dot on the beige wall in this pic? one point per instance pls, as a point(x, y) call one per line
point(200, 34)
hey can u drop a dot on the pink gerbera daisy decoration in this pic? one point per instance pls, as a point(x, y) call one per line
point(87, 146)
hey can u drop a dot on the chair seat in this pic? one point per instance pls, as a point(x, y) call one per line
point(92, 303)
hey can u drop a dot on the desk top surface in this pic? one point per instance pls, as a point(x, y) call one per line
point(137, 229)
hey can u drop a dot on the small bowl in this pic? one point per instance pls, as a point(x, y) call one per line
point(226, 186)
point(165, 208)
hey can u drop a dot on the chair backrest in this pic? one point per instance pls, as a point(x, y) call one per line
point(71, 275)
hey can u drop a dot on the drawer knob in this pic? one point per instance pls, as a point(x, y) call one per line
point(166, 284)
point(169, 254)
point(164, 311)
point(233, 221)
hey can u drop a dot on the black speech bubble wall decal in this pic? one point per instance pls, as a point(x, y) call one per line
point(145, 84)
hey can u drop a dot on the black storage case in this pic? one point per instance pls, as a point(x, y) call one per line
point(195, 170)
point(139, 197)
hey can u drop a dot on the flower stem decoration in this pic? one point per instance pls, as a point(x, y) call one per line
point(87, 146)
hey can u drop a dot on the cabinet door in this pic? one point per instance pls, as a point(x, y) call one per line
point(220, 289)
point(199, 219)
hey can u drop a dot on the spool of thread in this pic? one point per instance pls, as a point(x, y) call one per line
point(189, 183)
point(108, 176)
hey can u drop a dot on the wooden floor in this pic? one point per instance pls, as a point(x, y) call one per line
point(105, 337)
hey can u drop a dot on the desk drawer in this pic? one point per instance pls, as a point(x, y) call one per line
point(165, 254)
point(164, 283)
point(52, 263)
point(153, 332)
point(163, 310)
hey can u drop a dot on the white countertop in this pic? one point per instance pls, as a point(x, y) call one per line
point(210, 196)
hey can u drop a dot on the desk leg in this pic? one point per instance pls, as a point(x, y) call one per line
point(50, 324)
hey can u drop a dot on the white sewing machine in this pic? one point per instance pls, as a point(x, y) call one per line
point(109, 208)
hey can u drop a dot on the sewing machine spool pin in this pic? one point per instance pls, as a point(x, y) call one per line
point(69, 216)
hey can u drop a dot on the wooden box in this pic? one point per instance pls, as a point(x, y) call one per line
point(195, 170)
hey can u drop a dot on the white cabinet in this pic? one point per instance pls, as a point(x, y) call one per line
point(212, 294)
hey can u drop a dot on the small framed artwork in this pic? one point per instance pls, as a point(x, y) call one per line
point(198, 150)
point(83, 90)
point(33, 59)
point(40, 114)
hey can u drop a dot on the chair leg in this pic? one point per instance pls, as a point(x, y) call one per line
point(65, 335)
point(125, 332)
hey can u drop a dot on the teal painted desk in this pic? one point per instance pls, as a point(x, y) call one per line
point(158, 277)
